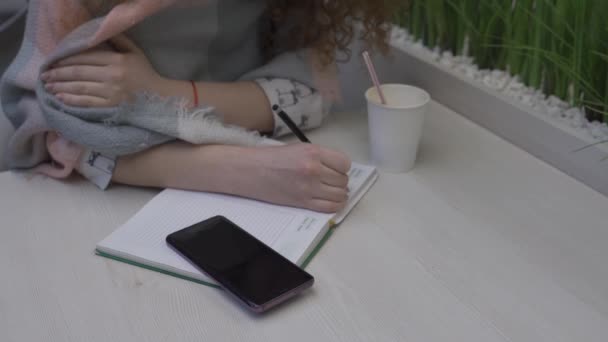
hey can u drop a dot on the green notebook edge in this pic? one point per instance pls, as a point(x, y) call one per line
point(306, 262)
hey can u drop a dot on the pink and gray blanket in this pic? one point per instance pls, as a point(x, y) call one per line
point(46, 129)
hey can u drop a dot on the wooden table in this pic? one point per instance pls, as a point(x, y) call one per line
point(481, 242)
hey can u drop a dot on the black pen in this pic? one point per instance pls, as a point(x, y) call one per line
point(292, 125)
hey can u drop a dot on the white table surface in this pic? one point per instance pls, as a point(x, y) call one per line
point(482, 242)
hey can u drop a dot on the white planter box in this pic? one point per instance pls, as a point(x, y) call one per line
point(519, 124)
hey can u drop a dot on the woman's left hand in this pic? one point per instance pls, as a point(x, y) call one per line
point(102, 78)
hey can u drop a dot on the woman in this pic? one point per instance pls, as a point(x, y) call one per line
point(249, 62)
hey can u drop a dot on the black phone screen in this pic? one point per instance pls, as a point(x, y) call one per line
point(242, 264)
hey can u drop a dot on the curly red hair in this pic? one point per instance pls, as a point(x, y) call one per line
point(328, 26)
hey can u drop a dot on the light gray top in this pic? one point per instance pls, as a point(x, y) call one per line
point(228, 48)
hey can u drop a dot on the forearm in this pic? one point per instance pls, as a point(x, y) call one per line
point(240, 103)
point(298, 175)
point(208, 168)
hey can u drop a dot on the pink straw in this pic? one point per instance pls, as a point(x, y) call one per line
point(374, 75)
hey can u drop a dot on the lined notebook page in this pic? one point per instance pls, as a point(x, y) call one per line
point(287, 230)
point(358, 175)
point(291, 232)
point(360, 180)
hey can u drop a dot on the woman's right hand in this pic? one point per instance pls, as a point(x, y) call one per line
point(301, 175)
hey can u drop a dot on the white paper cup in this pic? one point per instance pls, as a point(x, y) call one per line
point(395, 129)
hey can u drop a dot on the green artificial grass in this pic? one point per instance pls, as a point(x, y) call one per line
point(559, 46)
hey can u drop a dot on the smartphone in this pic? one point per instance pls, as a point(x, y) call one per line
point(253, 273)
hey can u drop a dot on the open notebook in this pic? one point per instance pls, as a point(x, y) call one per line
point(295, 233)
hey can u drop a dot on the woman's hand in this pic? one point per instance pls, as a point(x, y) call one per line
point(102, 78)
point(302, 175)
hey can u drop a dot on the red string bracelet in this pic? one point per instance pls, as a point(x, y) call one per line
point(195, 93)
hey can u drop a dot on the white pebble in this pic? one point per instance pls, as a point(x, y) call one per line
point(526, 99)
point(556, 101)
point(512, 86)
point(472, 71)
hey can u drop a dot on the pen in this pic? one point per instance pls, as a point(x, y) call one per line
point(294, 128)
point(292, 125)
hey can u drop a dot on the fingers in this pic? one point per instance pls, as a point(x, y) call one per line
point(330, 199)
point(332, 193)
point(91, 58)
point(80, 88)
point(326, 206)
point(336, 161)
point(333, 178)
point(123, 44)
point(78, 73)
point(82, 100)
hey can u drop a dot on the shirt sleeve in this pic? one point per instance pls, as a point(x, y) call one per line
point(287, 82)
point(303, 104)
point(97, 168)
